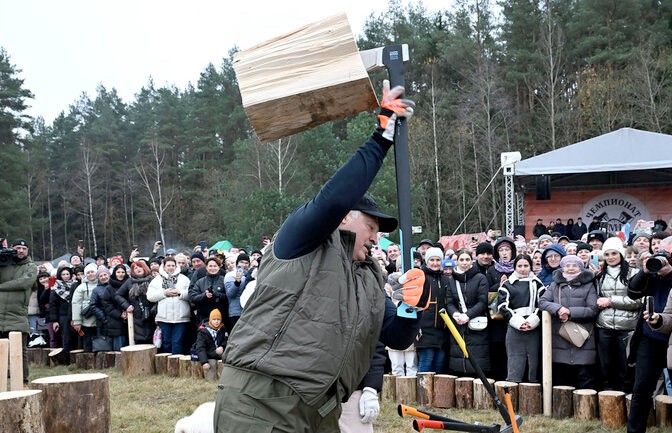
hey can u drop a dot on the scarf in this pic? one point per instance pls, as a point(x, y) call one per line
point(504, 266)
point(170, 281)
point(138, 287)
point(62, 289)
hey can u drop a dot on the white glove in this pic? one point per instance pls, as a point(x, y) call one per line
point(369, 408)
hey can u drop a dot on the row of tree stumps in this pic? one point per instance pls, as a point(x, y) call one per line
point(448, 391)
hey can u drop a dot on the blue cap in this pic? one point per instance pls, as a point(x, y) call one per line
point(448, 263)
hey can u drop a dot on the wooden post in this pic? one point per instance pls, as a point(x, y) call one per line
point(444, 391)
point(173, 365)
point(547, 361)
point(161, 363)
point(21, 411)
point(585, 404)
point(482, 398)
point(612, 408)
point(501, 385)
point(664, 411)
point(406, 389)
point(138, 360)
point(425, 391)
point(4, 363)
point(131, 329)
point(464, 392)
point(529, 398)
point(389, 392)
point(15, 361)
point(563, 405)
point(76, 403)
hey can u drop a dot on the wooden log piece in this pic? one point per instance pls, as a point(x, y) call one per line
point(303, 69)
point(612, 408)
point(45, 355)
point(585, 404)
point(664, 411)
point(85, 360)
point(501, 386)
point(4, 363)
point(529, 399)
point(56, 357)
point(33, 354)
point(173, 364)
point(75, 403)
point(464, 392)
point(110, 359)
point(100, 361)
point(650, 421)
point(185, 366)
point(21, 411)
point(425, 391)
point(482, 398)
point(197, 370)
point(389, 391)
point(15, 361)
point(444, 391)
point(161, 363)
point(563, 402)
point(138, 360)
point(117, 360)
point(406, 389)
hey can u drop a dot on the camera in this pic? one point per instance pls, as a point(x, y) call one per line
point(7, 256)
point(657, 261)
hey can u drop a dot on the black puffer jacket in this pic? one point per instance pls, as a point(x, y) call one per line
point(108, 311)
point(59, 301)
point(134, 292)
point(204, 305)
point(432, 329)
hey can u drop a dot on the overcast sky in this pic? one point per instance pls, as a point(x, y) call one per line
point(67, 47)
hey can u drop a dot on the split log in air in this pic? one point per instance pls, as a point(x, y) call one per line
point(406, 389)
point(612, 408)
point(464, 393)
point(425, 390)
point(585, 404)
point(444, 391)
point(75, 403)
point(529, 398)
point(138, 360)
point(21, 411)
point(563, 401)
point(389, 391)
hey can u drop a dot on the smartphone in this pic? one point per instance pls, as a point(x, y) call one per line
point(649, 305)
point(594, 260)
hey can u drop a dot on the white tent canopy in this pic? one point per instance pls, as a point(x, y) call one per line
point(623, 150)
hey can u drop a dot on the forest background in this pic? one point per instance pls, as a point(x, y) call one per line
point(184, 165)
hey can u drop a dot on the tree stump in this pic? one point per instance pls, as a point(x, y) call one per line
point(21, 411)
point(585, 404)
point(111, 359)
point(33, 354)
point(197, 370)
point(529, 398)
point(444, 391)
point(45, 355)
point(4, 363)
point(75, 403)
point(100, 361)
point(482, 398)
point(664, 411)
point(563, 405)
point(173, 365)
point(138, 360)
point(85, 360)
point(389, 391)
point(612, 408)
point(56, 357)
point(501, 385)
point(185, 366)
point(464, 392)
point(406, 389)
point(161, 363)
point(425, 391)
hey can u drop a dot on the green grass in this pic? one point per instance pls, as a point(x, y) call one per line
point(154, 404)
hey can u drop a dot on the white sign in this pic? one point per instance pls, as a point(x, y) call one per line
point(615, 209)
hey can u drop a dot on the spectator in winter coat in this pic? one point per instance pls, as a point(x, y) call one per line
point(466, 301)
point(110, 313)
point(518, 303)
point(83, 318)
point(170, 289)
point(210, 343)
point(209, 293)
point(572, 296)
point(134, 292)
point(59, 309)
point(550, 262)
point(234, 283)
point(539, 228)
point(432, 335)
point(617, 318)
point(44, 292)
point(579, 230)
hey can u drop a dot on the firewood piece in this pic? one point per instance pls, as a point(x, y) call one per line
point(563, 402)
point(185, 366)
point(464, 392)
point(173, 365)
point(100, 361)
point(56, 357)
point(110, 359)
point(389, 391)
point(21, 411)
point(585, 404)
point(529, 398)
point(76, 403)
point(138, 360)
point(197, 370)
point(612, 408)
point(425, 385)
point(317, 70)
point(406, 389)
point(444, 391)
point(161, 363)
point(664, 411)
point(85, 360)
point(482, 398)
point(501, 385)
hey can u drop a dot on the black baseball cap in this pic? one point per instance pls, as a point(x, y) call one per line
point(367, 205)
point(19, 242)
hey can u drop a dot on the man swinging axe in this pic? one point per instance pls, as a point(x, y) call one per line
point(306, 338)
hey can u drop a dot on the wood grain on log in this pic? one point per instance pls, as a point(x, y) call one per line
point(585, 404)
point(563, 401)
point(612, 408)
point(389, 392)
point(21, 411)
point(425, 391)
point(464, 392)
point(444, 390)
point(406, 389)
point(529, 398)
